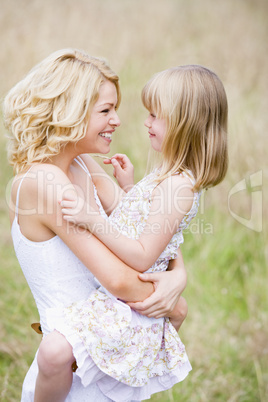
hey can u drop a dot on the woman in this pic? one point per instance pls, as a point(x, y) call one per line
point(65, 107)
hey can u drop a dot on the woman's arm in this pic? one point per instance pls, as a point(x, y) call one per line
point(39, 200)
point(169, 286)
point(171, 200)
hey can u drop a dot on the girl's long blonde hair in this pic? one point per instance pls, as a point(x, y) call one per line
point(51, 106)
point(193, 102)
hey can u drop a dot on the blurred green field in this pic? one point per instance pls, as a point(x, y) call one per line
point(225, 251)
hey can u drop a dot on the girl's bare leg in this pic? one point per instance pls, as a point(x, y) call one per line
point(55, 358)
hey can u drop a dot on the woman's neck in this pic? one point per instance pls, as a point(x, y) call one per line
point(64, 159)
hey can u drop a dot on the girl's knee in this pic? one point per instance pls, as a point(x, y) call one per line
point(55, 354)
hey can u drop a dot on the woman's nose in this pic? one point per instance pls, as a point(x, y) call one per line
point(115, 121)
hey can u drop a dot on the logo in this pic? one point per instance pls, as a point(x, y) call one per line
point(251, 189)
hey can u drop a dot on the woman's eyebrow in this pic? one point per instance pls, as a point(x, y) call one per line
point(106, 104)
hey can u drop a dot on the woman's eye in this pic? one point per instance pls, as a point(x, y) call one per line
point(105, 111)
point(152, 115)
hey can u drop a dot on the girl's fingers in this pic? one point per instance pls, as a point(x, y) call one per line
point(122, 159)
point(69, 218)
point(114, 162)
point(68, 204)
point(119, 156)
point(107, 161)
point(68, 212)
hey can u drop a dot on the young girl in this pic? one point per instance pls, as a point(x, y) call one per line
point(187, 124)
point(67, 106)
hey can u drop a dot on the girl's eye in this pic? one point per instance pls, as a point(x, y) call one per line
point(105, 111)
point(152, 115)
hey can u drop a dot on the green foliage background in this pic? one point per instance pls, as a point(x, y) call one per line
point(226, 331)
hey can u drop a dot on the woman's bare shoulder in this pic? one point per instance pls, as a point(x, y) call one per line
point(41, 182)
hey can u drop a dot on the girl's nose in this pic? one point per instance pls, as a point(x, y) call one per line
point(147, 122)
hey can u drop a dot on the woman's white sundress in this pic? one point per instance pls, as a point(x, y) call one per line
point(140, 355)
point(56, 278)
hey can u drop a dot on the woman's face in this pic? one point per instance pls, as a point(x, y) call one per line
point(157, 131)
point(103, 121)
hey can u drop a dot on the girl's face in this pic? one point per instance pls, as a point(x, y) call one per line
point(157, 131)
point(103, 121)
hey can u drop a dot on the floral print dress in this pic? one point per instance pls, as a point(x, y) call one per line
point(141, 355)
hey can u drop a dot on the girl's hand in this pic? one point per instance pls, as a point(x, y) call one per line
point(168, 287)
point(78, 211)
point(123, 170)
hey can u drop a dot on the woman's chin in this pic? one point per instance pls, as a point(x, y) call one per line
point(102, 150)
point(106, 150)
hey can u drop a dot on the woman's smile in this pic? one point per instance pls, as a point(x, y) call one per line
point(107, 135)
point(103, 121)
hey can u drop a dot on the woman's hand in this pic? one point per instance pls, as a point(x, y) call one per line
point(168, 286)
point(123, 170)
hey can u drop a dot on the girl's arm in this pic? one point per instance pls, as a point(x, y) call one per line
point(123, 171)
point(171, 200)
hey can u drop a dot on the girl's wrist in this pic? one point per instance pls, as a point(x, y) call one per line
point(95, 223)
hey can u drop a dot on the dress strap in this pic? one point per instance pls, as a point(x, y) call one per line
point(18, 192)
point(82, 164)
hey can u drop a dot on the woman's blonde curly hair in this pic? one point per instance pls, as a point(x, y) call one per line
point(51, 106)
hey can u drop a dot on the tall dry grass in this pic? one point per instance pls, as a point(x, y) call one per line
point(142, 37)
point(226, 330)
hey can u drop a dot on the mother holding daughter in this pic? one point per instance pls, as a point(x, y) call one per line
point(65, 108)
point(60, 110)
